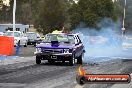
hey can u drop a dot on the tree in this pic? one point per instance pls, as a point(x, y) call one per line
point(1, 4)
point(4, 12)
point(90, 11)
point(52, 15)
point(23, 11)
point(46, 15)
point(74, 15)
point(119, 8)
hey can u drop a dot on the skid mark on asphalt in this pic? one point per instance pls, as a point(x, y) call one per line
point(78, 86)
point(12, 85)
point(32, 73)
point(58, 81)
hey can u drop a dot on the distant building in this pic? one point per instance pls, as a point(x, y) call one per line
point(18, 27)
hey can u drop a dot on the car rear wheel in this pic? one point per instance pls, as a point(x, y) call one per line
point(38, 60)
point(79, 59)
point(72, 61)
point(34, 44)
point(25, 45)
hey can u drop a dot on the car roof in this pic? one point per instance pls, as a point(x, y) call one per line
point(14, 31)
point(32, 32)
point(56, 33)
point(74, 34)
point(65, 33)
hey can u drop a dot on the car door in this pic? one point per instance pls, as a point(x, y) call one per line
point(18, 36)
point(25, 38)
point(22, 39)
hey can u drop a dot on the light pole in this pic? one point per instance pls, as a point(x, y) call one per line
point(14, 12)
point(124, 16)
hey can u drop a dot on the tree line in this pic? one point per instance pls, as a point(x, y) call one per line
point(48, 15)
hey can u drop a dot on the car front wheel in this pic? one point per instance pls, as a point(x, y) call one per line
point(38, 60)
point(79, 59)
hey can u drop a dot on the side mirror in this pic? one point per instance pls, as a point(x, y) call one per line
point(84, 51)
point(76, 44)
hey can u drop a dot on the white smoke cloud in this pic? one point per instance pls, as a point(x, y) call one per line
point(109, 32)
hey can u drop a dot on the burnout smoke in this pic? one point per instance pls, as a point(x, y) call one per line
point(106, 42)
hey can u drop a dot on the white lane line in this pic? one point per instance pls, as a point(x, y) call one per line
point(12, 85)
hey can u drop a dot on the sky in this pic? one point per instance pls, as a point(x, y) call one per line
point(6, 2)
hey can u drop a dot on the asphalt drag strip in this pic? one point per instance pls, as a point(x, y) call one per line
point(58, 75)
point(116, 66)
point(15, 75)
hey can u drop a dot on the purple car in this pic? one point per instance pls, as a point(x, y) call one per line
point(60, 47)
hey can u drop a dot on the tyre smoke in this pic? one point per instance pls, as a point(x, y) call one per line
point(103, 42)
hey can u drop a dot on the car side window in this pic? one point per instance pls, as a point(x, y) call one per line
point(71, 39)
point(79, 40)
point(76, 40)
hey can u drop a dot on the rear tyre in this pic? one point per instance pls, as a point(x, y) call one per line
point(79, 59)
point(38, 60)
point(34, 44)
point(72, 61)
point(25, 45)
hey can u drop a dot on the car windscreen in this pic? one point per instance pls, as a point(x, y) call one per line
point(16, 34)
point(59, 37)
point(31, 35)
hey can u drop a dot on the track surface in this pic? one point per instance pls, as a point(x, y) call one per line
point(58, 75)
point(37, 76)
